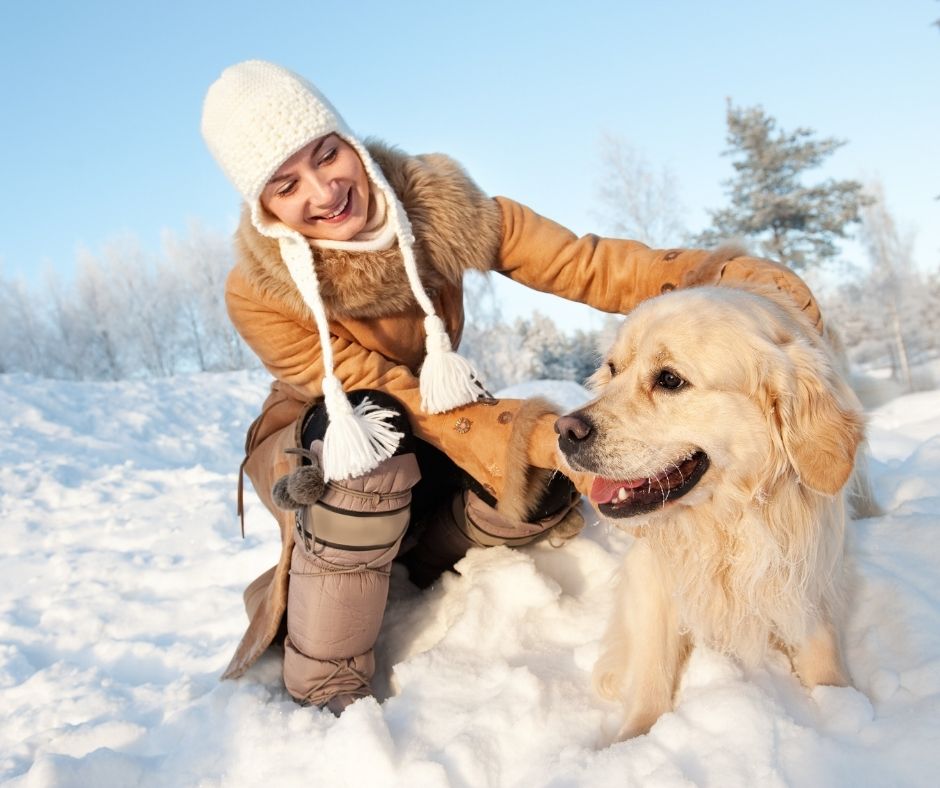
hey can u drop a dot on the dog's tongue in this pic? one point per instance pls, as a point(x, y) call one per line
point(603, 490)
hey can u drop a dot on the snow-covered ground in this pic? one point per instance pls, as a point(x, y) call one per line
point(121, 571)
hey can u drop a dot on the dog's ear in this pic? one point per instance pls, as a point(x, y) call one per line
point(819, 419)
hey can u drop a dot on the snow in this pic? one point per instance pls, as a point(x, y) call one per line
point(121, 571)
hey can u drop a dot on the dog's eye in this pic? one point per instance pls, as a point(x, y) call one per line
point(612, 368)
point(667, 379)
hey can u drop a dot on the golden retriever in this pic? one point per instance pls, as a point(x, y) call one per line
point(722, 436)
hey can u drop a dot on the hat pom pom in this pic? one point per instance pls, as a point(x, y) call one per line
point(447, 379)
point(357, 439)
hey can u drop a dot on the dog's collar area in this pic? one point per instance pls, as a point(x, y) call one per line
point(628, 498)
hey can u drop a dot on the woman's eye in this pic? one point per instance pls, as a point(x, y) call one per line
point(327, 157)
point(667, 379)
point(286, 189)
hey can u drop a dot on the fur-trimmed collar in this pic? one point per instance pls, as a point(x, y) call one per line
point(457, 228)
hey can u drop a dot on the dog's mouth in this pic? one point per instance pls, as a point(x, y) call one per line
point(619, 498)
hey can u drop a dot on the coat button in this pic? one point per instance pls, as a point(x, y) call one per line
point(505, 417)
point(672, 254)
point(462, 425)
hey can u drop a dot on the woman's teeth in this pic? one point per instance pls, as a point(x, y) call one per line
point(338, 211)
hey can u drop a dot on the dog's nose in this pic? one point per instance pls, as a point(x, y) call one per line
point(573, 428)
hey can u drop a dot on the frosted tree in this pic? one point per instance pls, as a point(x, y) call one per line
point(790, 221)
point(127, 313)
point(97, 318)
point(635, 200)
point(893, 275)
point(545, 346)
point(481, 304)
point(69, 349)
point(8, 338)
point(198, 264)
point(23, 330)
point(584, 350)
point(92, 331)
point(487, 341)
point(887, 313)
point(145, 301)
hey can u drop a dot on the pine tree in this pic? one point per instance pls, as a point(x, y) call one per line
point(790, 222)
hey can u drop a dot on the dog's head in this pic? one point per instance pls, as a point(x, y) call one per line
point(712, 391)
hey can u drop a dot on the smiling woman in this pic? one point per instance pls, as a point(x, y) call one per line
point(378, 442)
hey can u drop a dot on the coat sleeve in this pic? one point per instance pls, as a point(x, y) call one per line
point(614, 275)
point(482, 437)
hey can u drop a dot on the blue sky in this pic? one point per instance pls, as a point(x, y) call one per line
point(102, 101)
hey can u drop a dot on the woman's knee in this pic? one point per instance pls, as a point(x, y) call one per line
point(333, 512)
point(315, 420)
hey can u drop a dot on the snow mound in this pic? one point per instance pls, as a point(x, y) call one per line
point(121, 572)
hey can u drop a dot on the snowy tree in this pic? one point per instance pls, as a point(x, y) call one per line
point(541, 340)
point(197, 265)
point(497, 351)
point(790, 221)
point(892, 276)
point(887, 313)
point(145, 305)
point(584, 349)
point(530, 349)
point(69, 337)
point(487, 341)
point(23, 331)
point(97, 319)
point(127, 313)
point(481, 304)
point(635, 200)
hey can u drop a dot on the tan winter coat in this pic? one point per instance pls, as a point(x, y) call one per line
point(378, 336)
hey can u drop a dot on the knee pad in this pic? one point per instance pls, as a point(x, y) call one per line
point(380, 491)
point(367, 511)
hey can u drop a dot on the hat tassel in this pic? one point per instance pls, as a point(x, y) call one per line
point(357, 439)
point(447, 379)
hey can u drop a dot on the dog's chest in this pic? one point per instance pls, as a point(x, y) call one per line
point(734, 588)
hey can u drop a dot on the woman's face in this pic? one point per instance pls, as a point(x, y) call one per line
point(322, 191)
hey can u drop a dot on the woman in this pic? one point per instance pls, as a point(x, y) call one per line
point(347, 283)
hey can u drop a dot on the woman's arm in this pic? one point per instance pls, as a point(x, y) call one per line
point(614, 275)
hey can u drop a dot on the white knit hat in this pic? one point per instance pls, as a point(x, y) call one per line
point(255, 117)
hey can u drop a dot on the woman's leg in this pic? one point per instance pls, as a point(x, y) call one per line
point(467, 517)
point(343, 548)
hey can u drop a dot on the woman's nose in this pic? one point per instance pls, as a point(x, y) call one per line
point(321, 191)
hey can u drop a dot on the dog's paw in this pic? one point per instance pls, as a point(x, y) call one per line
point(301, 487)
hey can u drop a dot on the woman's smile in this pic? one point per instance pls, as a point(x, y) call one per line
point(339, 213)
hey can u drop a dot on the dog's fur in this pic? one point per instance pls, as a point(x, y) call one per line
point(750, 555)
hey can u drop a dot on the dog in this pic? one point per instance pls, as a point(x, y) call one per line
point(723, 437)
